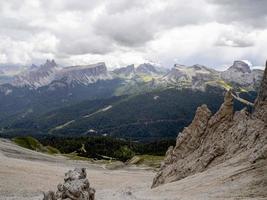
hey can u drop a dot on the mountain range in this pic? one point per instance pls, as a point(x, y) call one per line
point(196, 76)
point(135, 100)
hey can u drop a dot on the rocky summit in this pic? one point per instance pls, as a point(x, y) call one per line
point(84, 74)
point(240, 74)
point(214, 139)
point(37, 76)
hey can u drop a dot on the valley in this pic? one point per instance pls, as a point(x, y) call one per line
point(142, 103)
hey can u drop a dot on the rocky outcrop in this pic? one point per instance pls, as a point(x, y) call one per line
point(240, 74)
point(194, 77)
point(84, 74)
point(127, 71)
point(149, 69)
point(241, 66)
point(211, 140)
point(37, 76)
point(262, 97)
point(75, 187)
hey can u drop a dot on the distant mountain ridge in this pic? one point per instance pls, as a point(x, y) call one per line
point(45, 74)
point(37, 76)
point(238, 75)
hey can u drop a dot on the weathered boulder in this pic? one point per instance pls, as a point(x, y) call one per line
point(75, 187)
point(210, 140)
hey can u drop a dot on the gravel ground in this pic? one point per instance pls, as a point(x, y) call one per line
point(24, 174)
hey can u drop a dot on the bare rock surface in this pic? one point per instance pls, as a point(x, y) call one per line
point(212, 140)
point(24, 174)
point(75, 187)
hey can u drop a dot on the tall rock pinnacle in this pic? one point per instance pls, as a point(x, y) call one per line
point(211, 140)
point(261, 101)
point(262, 97)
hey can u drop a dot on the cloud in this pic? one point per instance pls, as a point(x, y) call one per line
point(92, 45)
point(137, 22)
point(235, 38)
point(251, 14)
point(120, 31)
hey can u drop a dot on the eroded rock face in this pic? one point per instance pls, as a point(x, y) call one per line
point(210, 140)
point(241, 74)
point(75, 187)
point(261, 101)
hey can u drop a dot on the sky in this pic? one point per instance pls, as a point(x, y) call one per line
point(120, 32)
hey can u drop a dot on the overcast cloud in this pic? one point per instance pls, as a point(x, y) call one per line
point(121, 32)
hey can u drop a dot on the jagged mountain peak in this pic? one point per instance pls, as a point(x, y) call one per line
point(240, 66)
point(127, 71)
point(261, 101)
point(145, 70)
point(194, 68)
point(263, 88)
point(130, 67)
point(48, 65)
point(190, 76)
point(148, 68)
point(240, 75)
point(211, 140)
point(37, 76)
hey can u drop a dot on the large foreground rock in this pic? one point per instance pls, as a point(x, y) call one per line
point(75, 187)
point(211, 140)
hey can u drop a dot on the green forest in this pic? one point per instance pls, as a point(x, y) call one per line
point(107, 147)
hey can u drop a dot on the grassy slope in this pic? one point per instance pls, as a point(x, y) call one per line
point(33, 144)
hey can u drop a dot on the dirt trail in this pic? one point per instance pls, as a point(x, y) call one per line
point(24, 174)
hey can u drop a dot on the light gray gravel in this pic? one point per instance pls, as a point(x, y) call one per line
point(24, 174)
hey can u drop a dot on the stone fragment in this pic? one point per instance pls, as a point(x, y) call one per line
point(75, 187)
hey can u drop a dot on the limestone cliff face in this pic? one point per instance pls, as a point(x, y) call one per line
point(210, 140)
point(261, 101)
